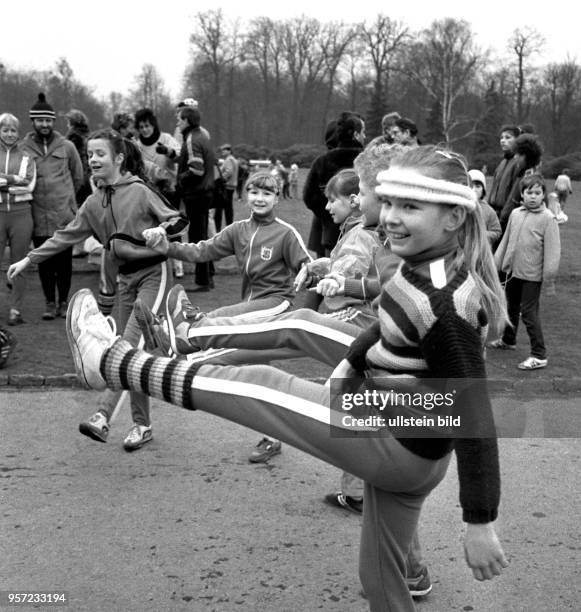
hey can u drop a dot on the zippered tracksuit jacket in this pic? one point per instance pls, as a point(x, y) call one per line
point(17, 182)
point(117, 215)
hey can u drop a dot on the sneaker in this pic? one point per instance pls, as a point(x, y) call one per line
point(501, 344)
point(181, 313)
point(138, 435)
point(420, 585)
point(89, 334)
point(154, 335)
point(15, 318)
point(61, 309)
point(533, 363)
point(264, 450)
point(50, 312)
point(96, 427)
point(7, 343)
point(339, 500)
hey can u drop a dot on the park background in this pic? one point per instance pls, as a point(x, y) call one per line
point(269, 85)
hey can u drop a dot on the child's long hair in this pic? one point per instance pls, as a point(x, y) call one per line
point(132, 158)
point(344, 183)
point(441, 164)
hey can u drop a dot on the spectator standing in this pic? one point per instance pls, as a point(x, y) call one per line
point(349, 135)
point(505, 175)
point(193, 104)
point(59, 177)
point(387, 123)
point(77, 133)
point(293, 180)
point(404, 132)
point(243, 174)
point(284, 175)
point(229, 170)
point(527, 152)
point(493, 230)
point(17, 180)
point(529, 255)
point(123, 123)
point(563, 187)
point(159, 148)
point(195, 183)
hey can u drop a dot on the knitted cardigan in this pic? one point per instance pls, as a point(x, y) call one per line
point(439, 333)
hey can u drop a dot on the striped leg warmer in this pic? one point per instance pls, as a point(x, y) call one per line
point(124, 367)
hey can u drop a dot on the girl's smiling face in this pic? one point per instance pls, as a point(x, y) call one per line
point(340, 207)
point(261, 201)
point(416, 227)
point(104, 166)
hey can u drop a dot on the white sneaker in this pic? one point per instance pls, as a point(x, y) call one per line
point(95, 427)
point(89, 333)
point(138, 435)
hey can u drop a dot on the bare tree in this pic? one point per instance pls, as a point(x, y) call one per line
point(563, 84)
point(524, 43)
point(214, 43)
point(303, 61)
point(445, 62)
point(383, 40)
point(149, 88)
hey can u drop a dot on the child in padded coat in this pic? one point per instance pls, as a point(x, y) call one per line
point(529, 255)
point(121, 208)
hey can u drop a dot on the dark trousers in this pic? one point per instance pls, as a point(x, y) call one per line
point(55, 273)
point(197, 206)
point(227, 207)
point(523, 299)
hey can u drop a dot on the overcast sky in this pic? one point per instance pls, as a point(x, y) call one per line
point(107, 42)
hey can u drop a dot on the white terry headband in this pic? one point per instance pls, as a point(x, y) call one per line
point(410, 185)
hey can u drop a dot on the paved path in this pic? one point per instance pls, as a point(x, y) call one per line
point(187, 524)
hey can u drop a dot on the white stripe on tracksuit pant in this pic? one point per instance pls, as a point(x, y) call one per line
point(297, 412)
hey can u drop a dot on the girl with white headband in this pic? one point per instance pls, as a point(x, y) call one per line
point(385, 428)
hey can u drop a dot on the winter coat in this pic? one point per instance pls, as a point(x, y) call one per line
point(59, 175)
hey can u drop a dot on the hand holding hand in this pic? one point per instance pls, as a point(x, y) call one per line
point(327, 287)
point(156, 238)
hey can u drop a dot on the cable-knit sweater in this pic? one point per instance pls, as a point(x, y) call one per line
point(432, 332)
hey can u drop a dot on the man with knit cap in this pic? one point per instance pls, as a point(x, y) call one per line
point(59, 177)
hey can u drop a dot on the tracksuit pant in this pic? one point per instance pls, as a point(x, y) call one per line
point(15, 231)
point(299, 333)
point(298, 412)
point(55, 273)
point(522, 301)
point(151, 285)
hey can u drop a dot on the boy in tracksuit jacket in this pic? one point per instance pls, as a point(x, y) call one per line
point(268, 250)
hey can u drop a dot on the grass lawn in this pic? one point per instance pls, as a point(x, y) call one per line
point(42, 346)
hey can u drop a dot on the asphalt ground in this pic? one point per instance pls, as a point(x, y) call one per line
point(186, 523)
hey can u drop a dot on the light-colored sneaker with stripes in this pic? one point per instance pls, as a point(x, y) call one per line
point(89, 334)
